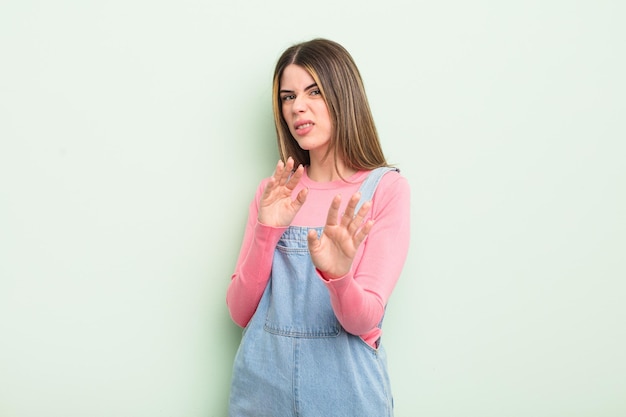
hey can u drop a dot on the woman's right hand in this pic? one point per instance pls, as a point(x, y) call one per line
point(276, 208)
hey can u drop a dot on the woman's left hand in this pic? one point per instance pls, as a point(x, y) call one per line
point(334, 251)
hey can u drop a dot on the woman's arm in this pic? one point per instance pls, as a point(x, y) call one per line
point(271, 212)
point(253, 267)
point(359, 297)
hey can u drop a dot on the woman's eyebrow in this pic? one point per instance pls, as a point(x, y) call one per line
point(307, 88)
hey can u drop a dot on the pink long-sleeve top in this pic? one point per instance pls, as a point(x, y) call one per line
point(358, 298)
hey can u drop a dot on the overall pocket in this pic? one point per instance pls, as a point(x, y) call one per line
point(299, 303)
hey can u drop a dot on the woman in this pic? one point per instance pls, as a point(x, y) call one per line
point(316, 269)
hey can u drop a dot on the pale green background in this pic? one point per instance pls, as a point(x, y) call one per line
point(134, 133)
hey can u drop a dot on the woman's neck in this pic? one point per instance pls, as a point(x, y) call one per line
point(326, 171)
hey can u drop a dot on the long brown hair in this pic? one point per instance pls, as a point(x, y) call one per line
point(354, 139)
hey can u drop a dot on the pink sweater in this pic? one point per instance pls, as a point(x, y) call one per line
point(358, 298)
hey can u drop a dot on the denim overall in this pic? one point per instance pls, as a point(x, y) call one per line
point(295, 359)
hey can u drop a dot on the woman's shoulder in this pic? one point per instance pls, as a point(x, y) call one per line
point(393, 186)
point(393, 179)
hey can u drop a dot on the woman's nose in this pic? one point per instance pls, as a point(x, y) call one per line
point(299, 104)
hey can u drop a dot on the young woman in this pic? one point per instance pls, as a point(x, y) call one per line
point(325, 243)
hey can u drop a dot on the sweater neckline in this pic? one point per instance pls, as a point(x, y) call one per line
point(355, 178)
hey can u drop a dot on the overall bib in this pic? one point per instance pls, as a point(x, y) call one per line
point(295, 359)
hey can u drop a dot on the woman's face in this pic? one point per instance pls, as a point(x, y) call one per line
point(304, 109)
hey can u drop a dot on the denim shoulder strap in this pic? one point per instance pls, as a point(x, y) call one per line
point(371, 182)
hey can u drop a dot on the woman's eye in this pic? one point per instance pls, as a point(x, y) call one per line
point(316, 92)
point(288, 97)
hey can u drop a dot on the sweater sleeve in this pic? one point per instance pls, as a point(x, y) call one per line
point(359, 298)
point(253, 267)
